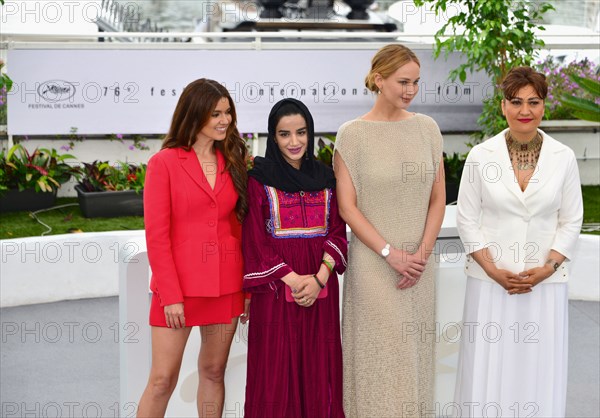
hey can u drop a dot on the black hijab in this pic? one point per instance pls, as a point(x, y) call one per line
point(273, 170)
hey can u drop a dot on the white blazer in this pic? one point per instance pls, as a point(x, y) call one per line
point(519, 228)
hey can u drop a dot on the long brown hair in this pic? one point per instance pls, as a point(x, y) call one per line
point(194, 108)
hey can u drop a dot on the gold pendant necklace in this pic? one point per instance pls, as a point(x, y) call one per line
point(524, 154)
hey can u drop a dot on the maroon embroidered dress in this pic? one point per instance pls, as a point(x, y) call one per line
point(294, 353)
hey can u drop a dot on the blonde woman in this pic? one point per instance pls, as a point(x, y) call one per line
point(390, 182)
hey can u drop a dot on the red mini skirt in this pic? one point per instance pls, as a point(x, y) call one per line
point(201, 310)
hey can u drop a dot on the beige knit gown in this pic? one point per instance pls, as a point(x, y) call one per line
point(388, 334)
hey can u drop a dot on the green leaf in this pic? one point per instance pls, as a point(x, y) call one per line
point(67, 156)
point(589, 116)
point(42, 185)
point(5, 81)
point(12, 150)
point(579, 104)
point(589, 85)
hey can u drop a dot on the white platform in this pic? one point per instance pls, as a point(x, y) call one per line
point(75, 266)
point(135, 354)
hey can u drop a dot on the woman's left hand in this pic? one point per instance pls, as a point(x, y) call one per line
point(309, 291)
point(535, 275)
point(246, 315)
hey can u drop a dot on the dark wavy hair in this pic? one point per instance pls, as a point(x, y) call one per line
point(520, 77)
point(193, 111)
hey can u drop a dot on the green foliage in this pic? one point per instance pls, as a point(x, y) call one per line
point(591, 204)
point(43, 169)
point(325, 150)
point(5, 81)
point(62, 220)
point(494, 36)
point(101, 176)
point(586, 109)
point(3, 99)
point(560, 84)
point(453, 167)
point(5, 86)
point(491, 119)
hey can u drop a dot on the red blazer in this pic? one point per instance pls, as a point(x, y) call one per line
point(192, 233)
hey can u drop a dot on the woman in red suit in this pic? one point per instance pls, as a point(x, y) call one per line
point(194, 203)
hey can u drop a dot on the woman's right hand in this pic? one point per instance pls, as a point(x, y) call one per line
point(409, 266)
point(510, 281)
point(174, 315)
point(293, 280)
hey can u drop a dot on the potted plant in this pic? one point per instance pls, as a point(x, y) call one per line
point(453, 168)
point(29, 181)
point(108, 191)
point(325, 151)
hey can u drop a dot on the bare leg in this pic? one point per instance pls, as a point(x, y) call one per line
point(212, 361)
point(167, 353)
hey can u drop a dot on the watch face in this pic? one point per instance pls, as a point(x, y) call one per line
point(385, 252)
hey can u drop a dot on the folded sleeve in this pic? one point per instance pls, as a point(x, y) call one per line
point(570, 214)
point(157, 220)
point(468, 210)
point(262, 265)
point(336, 244)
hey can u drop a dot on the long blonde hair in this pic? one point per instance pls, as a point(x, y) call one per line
point(386, 61)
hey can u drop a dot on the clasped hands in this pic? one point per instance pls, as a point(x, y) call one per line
point(305, 289)
point(409, 267)
point(523, 282)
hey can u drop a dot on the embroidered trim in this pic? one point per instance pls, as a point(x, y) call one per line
point(264, 273)
point(279, 201)
point(335, 247)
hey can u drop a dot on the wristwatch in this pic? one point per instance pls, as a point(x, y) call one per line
point(553, 263)
point(385, 251)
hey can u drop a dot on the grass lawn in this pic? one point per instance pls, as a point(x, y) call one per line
point(62, 221)
point(591, 206)
point(70, 219)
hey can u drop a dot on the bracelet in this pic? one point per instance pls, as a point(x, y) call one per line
point(553, 263)
point(328, 265)
point(321, 285)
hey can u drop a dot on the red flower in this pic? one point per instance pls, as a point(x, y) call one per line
point(131, 177)
point(38, 168)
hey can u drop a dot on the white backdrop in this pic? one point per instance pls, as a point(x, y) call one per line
point(104, 91)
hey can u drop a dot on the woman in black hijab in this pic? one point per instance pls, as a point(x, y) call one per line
point(294, 245)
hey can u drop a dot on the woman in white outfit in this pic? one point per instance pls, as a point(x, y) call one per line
point(519, 216)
